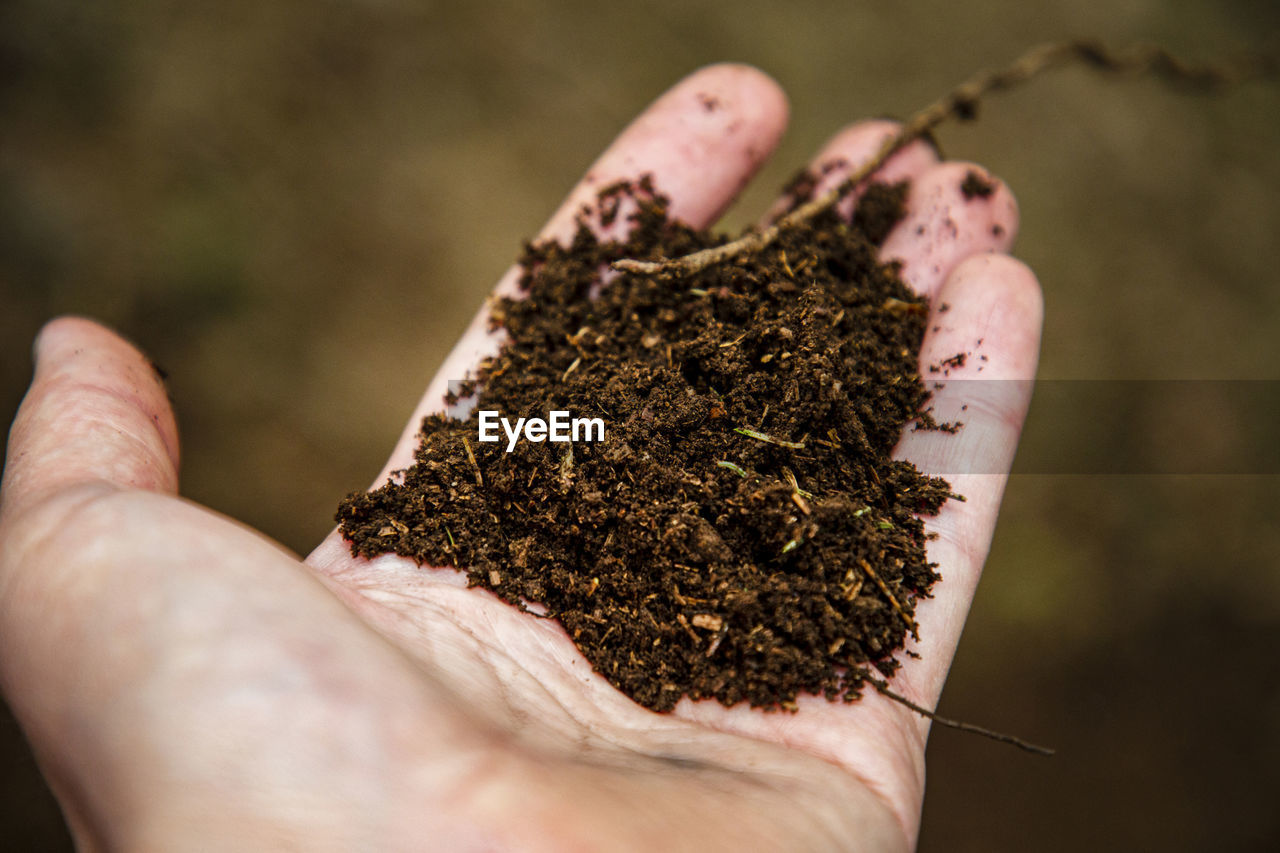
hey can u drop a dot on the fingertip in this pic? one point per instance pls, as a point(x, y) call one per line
point(1022, 293)
point(734, 113)
point(97, 411)
point(997, 300)
point(997, 273)
point(133, 373)
point(700, 141)
point(63, 336)
point(753, 88)
point(979, 187)
point(954, 210)
point(53, 336)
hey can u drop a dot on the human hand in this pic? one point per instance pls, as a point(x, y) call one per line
point(186, 682)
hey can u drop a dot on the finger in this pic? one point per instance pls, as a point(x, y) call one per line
point(954, 210)
point(96, 412)
point(993, 325)
point(855, 145)
point(701, 141)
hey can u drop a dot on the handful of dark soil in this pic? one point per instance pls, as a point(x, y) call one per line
point(741, 533)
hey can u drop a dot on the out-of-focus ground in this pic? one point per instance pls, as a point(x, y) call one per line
point(295, 207)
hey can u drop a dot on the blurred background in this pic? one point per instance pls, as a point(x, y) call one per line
point(295, 208)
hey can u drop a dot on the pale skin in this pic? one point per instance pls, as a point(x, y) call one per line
point(187, 683)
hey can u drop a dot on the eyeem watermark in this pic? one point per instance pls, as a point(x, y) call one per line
point(558, 427)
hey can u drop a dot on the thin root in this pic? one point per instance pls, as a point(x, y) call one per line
point(883, 687)
point(962, 103)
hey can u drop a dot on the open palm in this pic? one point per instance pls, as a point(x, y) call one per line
point(187, 683)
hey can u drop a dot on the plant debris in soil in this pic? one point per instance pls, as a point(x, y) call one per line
point(741, 533)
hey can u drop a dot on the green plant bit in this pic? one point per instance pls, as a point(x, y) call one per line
point(734, 468)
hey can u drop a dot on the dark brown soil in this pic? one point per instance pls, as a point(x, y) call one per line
point(741, 533)
point(976, 186)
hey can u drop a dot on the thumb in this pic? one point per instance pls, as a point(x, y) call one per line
point(96, 418)
point(96, 413)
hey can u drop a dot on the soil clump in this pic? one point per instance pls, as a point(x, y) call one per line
point(741, 533)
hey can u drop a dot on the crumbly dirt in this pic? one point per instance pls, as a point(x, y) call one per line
point(975, 186)
point(741, 533)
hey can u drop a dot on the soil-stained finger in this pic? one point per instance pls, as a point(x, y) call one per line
point(979, 359)
point(954, 210)
point(702, 141)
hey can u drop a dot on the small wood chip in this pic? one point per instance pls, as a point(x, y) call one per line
point(715, 643)
point(684, 623)
point(708, 621)
point(474, 463)
point(898, 306)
